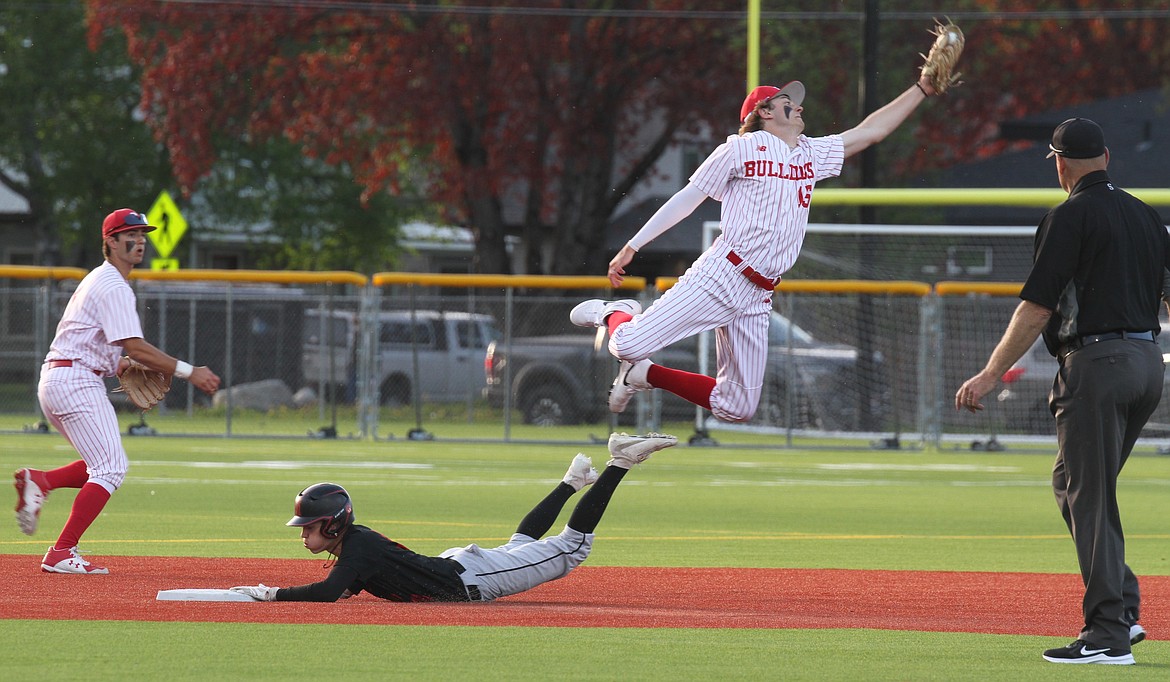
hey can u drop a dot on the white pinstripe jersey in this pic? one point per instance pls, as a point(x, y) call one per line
point(102, 309)
point(766, 189)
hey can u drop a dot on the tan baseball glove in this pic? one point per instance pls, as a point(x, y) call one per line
point(144, 387)
point(943, 56)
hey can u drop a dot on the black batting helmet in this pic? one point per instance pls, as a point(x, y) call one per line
point(323, 502)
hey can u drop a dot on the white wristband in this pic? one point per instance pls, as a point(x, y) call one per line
point(183, 370)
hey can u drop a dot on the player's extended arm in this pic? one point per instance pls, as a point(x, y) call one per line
point(148, 354)
point(884, 121)
point(333, 587)
point(682, 204)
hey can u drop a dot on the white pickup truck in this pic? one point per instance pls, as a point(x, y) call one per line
point(450, 350)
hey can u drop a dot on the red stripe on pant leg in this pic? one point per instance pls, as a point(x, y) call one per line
point(687, 385)
point(86, 507)
point(73, 475)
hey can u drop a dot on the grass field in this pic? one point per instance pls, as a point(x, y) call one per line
point(737, 506)
point(442, 421)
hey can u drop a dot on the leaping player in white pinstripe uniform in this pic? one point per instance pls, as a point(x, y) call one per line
point(99, 327)
point(764, 177)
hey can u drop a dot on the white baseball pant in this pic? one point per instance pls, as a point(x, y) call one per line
point(74, 401)
point(712, 294)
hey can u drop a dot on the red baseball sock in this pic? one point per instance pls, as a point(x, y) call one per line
point(687, 385)
point(86, 507)
point(72, 475)
point(615, 318)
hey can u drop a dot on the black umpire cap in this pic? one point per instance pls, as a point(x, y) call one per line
point(1077, 138)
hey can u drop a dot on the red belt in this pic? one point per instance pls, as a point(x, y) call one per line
point(67, 363)
point(753, 276)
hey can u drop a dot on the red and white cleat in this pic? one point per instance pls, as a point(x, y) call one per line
point(29, 500)
point(69, 561)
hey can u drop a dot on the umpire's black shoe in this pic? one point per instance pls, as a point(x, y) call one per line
point(1136, 632)
point(1081, 651)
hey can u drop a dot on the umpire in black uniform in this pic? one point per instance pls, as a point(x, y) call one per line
point(1098, 275)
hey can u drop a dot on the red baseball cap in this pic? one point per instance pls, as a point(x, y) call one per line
point(124, 219)
point(763, 93)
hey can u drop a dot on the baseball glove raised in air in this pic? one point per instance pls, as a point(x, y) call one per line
point(943, 56)
point(144, 387)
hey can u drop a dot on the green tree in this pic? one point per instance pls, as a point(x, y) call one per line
point(75, 144)
point(312, 214)
point(70, 141)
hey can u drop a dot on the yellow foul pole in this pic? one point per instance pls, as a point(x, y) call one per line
point(753, 42)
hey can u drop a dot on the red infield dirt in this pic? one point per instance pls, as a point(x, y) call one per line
point(999, 603)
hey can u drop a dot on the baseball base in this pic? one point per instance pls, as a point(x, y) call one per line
point(201, 595)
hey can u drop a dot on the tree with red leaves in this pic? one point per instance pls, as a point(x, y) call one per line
point(1027, 56)
point(540, 121)
point(558, 113)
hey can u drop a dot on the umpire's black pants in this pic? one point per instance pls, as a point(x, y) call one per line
point(1101, 398)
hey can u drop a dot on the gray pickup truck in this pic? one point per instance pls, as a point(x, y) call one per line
point(447, 346)
point(556, 379)
point(565, 380)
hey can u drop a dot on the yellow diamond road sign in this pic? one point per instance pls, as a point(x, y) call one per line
point(164, 215)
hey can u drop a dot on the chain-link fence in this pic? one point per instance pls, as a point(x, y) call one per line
point(972, 318)
point(495, 358)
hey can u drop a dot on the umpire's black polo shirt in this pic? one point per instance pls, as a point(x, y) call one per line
point(1098, 263)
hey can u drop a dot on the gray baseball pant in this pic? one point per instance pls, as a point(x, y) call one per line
point(1102, 397)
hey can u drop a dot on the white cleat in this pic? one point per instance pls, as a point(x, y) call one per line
point(629, 450)
point(631, 379)
point(29, 500)
point(592, 313)
point(69, 561)
point(581, 472)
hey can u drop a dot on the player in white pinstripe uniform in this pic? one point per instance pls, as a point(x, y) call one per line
point(99, 327)
point(764, 177)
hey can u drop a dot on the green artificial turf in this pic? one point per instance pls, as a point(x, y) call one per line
point(235, 651)
point(688, 506)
